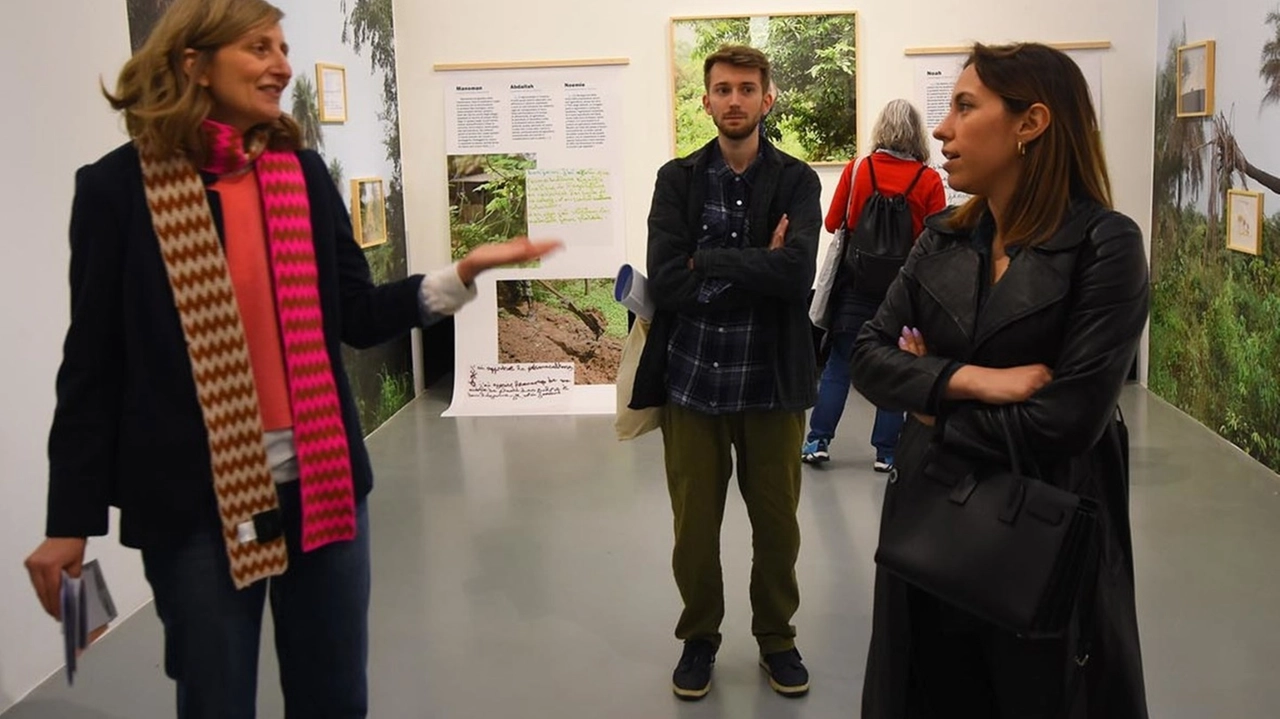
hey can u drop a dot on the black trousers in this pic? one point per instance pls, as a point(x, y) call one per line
point(962, 666)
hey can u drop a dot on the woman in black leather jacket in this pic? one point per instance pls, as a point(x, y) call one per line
point(1028, 300)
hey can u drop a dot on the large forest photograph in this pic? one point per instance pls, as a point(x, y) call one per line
point(813, 62)
point(1215, 338)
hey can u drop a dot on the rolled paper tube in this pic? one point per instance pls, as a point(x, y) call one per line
point(628, 289)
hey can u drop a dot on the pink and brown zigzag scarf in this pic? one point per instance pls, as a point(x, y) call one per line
point(219, 354)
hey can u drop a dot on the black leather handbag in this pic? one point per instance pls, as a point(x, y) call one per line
point(1004, 546)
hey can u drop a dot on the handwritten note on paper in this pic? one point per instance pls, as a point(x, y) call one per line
point(567, 196)
point(520, 381)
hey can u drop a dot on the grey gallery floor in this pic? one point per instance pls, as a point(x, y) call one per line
point(521, 569)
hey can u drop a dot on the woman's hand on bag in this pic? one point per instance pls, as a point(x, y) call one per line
point(45, 566)
point(912, 341)
point(497, 254)
point(998, 386)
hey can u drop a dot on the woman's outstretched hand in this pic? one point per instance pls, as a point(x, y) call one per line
point(497, 254)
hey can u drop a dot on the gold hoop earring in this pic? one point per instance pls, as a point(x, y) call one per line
point(1022, 149)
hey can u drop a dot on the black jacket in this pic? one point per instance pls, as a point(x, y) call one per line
point(127, 429)
point(1076, 303)
point(775, 282)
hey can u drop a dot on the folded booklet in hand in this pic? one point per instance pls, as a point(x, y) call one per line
point(87, 609)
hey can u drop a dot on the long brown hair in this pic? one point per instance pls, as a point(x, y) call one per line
point(1066, 162)
point(162, 106)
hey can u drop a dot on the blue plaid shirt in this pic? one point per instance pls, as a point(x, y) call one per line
point(722, 362)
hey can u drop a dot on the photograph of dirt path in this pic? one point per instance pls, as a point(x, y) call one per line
point(573, 320)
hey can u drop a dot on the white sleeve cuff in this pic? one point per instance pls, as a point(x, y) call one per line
point(442, 292)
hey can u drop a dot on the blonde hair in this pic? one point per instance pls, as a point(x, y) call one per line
point(162, 106)
point(900, 129)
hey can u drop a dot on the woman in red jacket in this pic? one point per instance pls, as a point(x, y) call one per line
point(900, 155)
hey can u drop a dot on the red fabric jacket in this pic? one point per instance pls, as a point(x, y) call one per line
point(892, 177)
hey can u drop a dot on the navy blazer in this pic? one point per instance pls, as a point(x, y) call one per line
point(128, 430)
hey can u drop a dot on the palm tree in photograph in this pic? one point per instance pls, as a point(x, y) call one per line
point(369, 25)
point(1180, 142)
point(1178, 169)
point(1228, 158)
point(337, 174)
point(306, 113)
point(1270, 72)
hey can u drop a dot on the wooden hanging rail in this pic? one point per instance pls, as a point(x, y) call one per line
point(962, 49)
point(526, 64)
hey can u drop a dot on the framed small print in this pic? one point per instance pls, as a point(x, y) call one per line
point(368, 211)
point(1195, 79)
point(331, 86)
point(1244, 221)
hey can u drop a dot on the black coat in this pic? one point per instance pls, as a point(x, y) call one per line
point(128, 429)
point(1076, 303)
point(776, 282)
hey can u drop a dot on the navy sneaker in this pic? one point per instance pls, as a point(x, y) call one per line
point(815, 452)
point(883, 464)
point(692, 678)
point(786, 671)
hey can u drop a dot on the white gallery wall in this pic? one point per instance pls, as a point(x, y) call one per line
point(437, 32)
point(55, 121)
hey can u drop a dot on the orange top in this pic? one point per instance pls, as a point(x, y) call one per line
point(246, 246)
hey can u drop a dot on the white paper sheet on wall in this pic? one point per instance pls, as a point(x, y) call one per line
point(538, 150)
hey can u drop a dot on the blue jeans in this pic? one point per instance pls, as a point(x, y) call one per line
point(833, 392)
point(319, 606)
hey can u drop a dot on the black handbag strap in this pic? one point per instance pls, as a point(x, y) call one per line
point(1088, 594)
point(1084, 628)
point(1016, 445)
point(1088, 597)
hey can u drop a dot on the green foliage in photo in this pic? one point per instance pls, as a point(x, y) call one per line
point(306, 113)
point(382, 263)
point(379, 395)
point(814, 67)
point(586, 294)
point(381, 377)
point(1215, 338)
point(487, 200)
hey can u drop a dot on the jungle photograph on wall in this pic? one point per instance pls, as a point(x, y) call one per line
point(488, 200)
point(813, 59)
point(1215, 272)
